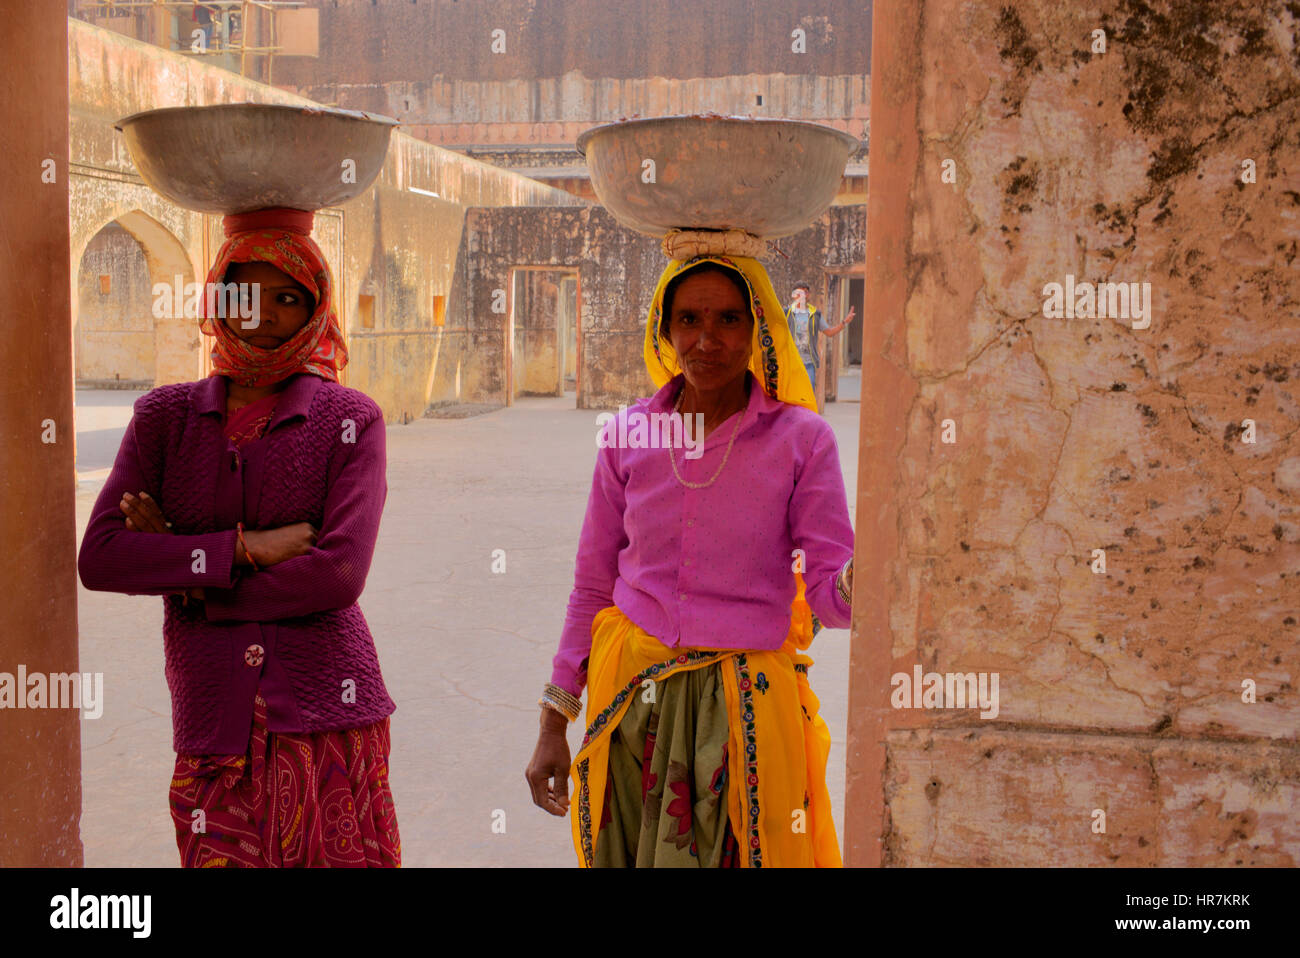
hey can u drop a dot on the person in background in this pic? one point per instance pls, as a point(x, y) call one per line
point(806, 321)
point(203, 17)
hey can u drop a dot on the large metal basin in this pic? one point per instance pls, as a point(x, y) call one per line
point(768, 176)
point(237, 157)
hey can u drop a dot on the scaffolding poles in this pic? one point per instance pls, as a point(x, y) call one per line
point(223, 7)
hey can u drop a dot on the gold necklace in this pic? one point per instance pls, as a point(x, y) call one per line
point(723, 465)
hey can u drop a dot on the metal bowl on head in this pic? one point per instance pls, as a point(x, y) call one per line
point(770, 177)
point(237, 157)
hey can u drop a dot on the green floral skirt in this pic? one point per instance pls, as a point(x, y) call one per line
point(666, 794)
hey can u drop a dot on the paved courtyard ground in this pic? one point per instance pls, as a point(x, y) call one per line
point(464, 651)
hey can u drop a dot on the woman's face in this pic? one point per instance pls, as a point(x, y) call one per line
point(285, 306)
point(711, 330)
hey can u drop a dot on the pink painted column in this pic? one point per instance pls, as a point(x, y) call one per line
point(887, 393)
point(40, 749)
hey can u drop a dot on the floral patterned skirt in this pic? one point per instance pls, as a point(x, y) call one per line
point(294, 800)
point(666, 795)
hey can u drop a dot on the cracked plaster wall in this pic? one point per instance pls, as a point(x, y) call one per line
point(1119, 691)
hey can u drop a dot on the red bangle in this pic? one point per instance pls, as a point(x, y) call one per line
point(239, 531)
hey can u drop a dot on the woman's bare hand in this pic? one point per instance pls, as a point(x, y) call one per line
point(271, 546)
point(143, 514)
point(548, 772)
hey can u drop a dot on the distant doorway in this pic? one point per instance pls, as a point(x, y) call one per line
point(853, 335)
point(843, 291)
point(114, 339)
point(569, 332)
point(542, 332)
point(125, 334)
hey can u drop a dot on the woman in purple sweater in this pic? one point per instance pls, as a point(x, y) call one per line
point(251, 501)
point(697, 574)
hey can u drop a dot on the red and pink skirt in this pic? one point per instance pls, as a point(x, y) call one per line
point(313, 800)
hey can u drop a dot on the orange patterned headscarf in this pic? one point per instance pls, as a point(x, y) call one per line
point(281, 237)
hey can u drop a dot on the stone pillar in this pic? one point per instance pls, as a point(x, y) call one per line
point(1080, 439)
point(40, 749)
point(887, 393)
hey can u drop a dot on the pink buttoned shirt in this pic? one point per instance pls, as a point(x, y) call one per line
point(710, 567)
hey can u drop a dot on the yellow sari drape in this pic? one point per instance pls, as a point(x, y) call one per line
point(778, 804)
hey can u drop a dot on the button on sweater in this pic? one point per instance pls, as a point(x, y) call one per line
point(293, 628)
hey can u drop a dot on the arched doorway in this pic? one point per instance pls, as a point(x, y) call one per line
point(113, 338)
point(124, 334)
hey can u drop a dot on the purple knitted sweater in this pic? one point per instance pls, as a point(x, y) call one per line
point(294, 629)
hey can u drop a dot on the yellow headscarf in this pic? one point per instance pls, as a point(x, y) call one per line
point(774, 361)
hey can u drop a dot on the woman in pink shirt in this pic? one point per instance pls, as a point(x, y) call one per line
point(697, 576)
